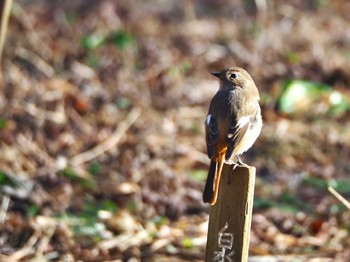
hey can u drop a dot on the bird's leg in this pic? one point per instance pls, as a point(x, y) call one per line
point(239, 161)
point(231, 162)
point(234, 163)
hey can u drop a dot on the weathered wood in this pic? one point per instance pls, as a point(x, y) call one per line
point(230, 218)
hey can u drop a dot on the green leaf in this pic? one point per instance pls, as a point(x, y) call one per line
point(90, 210)
point(89, 229)
point(285, 201)
point(293, 203)
point(86, 224)
point(95, 168)
point(123, 103)
point(338, 103)
point(199, 175)
point(32, 210)
point(179, 69)
point(122, 39)
point(341, 186)
point(92, 41)
point(87, 183)
point(8, 180)
point(93, 61)
point(72, 175)
point(69, 172)
point(260, 203)
point(187, 242)
point(132, 206)
point(2, 123)
point(334, 209)
point(174, 71)
point(299, 94)
point(314, 182)
point(185, 66)
point(160, 220)
point(292, 57)
point(109, 206)
point(302, 97)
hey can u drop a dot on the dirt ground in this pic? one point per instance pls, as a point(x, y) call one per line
point(102, 144)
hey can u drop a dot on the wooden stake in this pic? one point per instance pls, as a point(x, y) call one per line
point(230, 218)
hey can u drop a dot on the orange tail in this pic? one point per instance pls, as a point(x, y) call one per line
point(210, 193)
point(217, 179)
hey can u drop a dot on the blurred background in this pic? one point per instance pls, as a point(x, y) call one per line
point(102, 142)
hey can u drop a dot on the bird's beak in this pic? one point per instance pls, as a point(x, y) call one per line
point(216, 74)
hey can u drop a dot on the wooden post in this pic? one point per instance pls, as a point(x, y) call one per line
point(230, 218)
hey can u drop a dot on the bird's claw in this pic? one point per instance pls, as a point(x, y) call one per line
point(235, 164)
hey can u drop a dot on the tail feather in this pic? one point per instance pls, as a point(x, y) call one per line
point(208, 189)
point(217, 179)
point(210, 193)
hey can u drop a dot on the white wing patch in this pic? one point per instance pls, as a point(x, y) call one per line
point(243, 121)
point(208, 119)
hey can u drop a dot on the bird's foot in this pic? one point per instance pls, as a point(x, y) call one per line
point(231, 163)
point(240, 162)
point(235, 164)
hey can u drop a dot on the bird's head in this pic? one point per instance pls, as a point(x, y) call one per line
point(234, 77)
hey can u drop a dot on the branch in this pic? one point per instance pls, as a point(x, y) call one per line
point(339, 197)
point(109, 143)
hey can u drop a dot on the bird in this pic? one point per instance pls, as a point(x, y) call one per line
point(232, 125)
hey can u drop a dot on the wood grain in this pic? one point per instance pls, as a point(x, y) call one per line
point(230, 218)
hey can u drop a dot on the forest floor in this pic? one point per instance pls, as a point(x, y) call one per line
point(102, 144)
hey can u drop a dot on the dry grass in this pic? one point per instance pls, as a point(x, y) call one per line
point(102, 141)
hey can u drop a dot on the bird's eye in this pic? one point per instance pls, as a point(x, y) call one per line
point(233, 75)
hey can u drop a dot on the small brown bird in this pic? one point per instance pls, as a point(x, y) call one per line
point(232, 125)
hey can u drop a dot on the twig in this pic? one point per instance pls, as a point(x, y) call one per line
point(83, 126)
point(27, 248)
point(47, 226)
point(29, 147)
point(193, 153)
point(58, 117)
point(108, 143)
point(339, 197)
point(44, 229)
point(4, 206)
point(5, 13)
point(126, 240)
point(39, 63)
point(262, 9)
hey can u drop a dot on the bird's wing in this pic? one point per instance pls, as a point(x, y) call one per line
point(235, 133)
point(212, 134)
